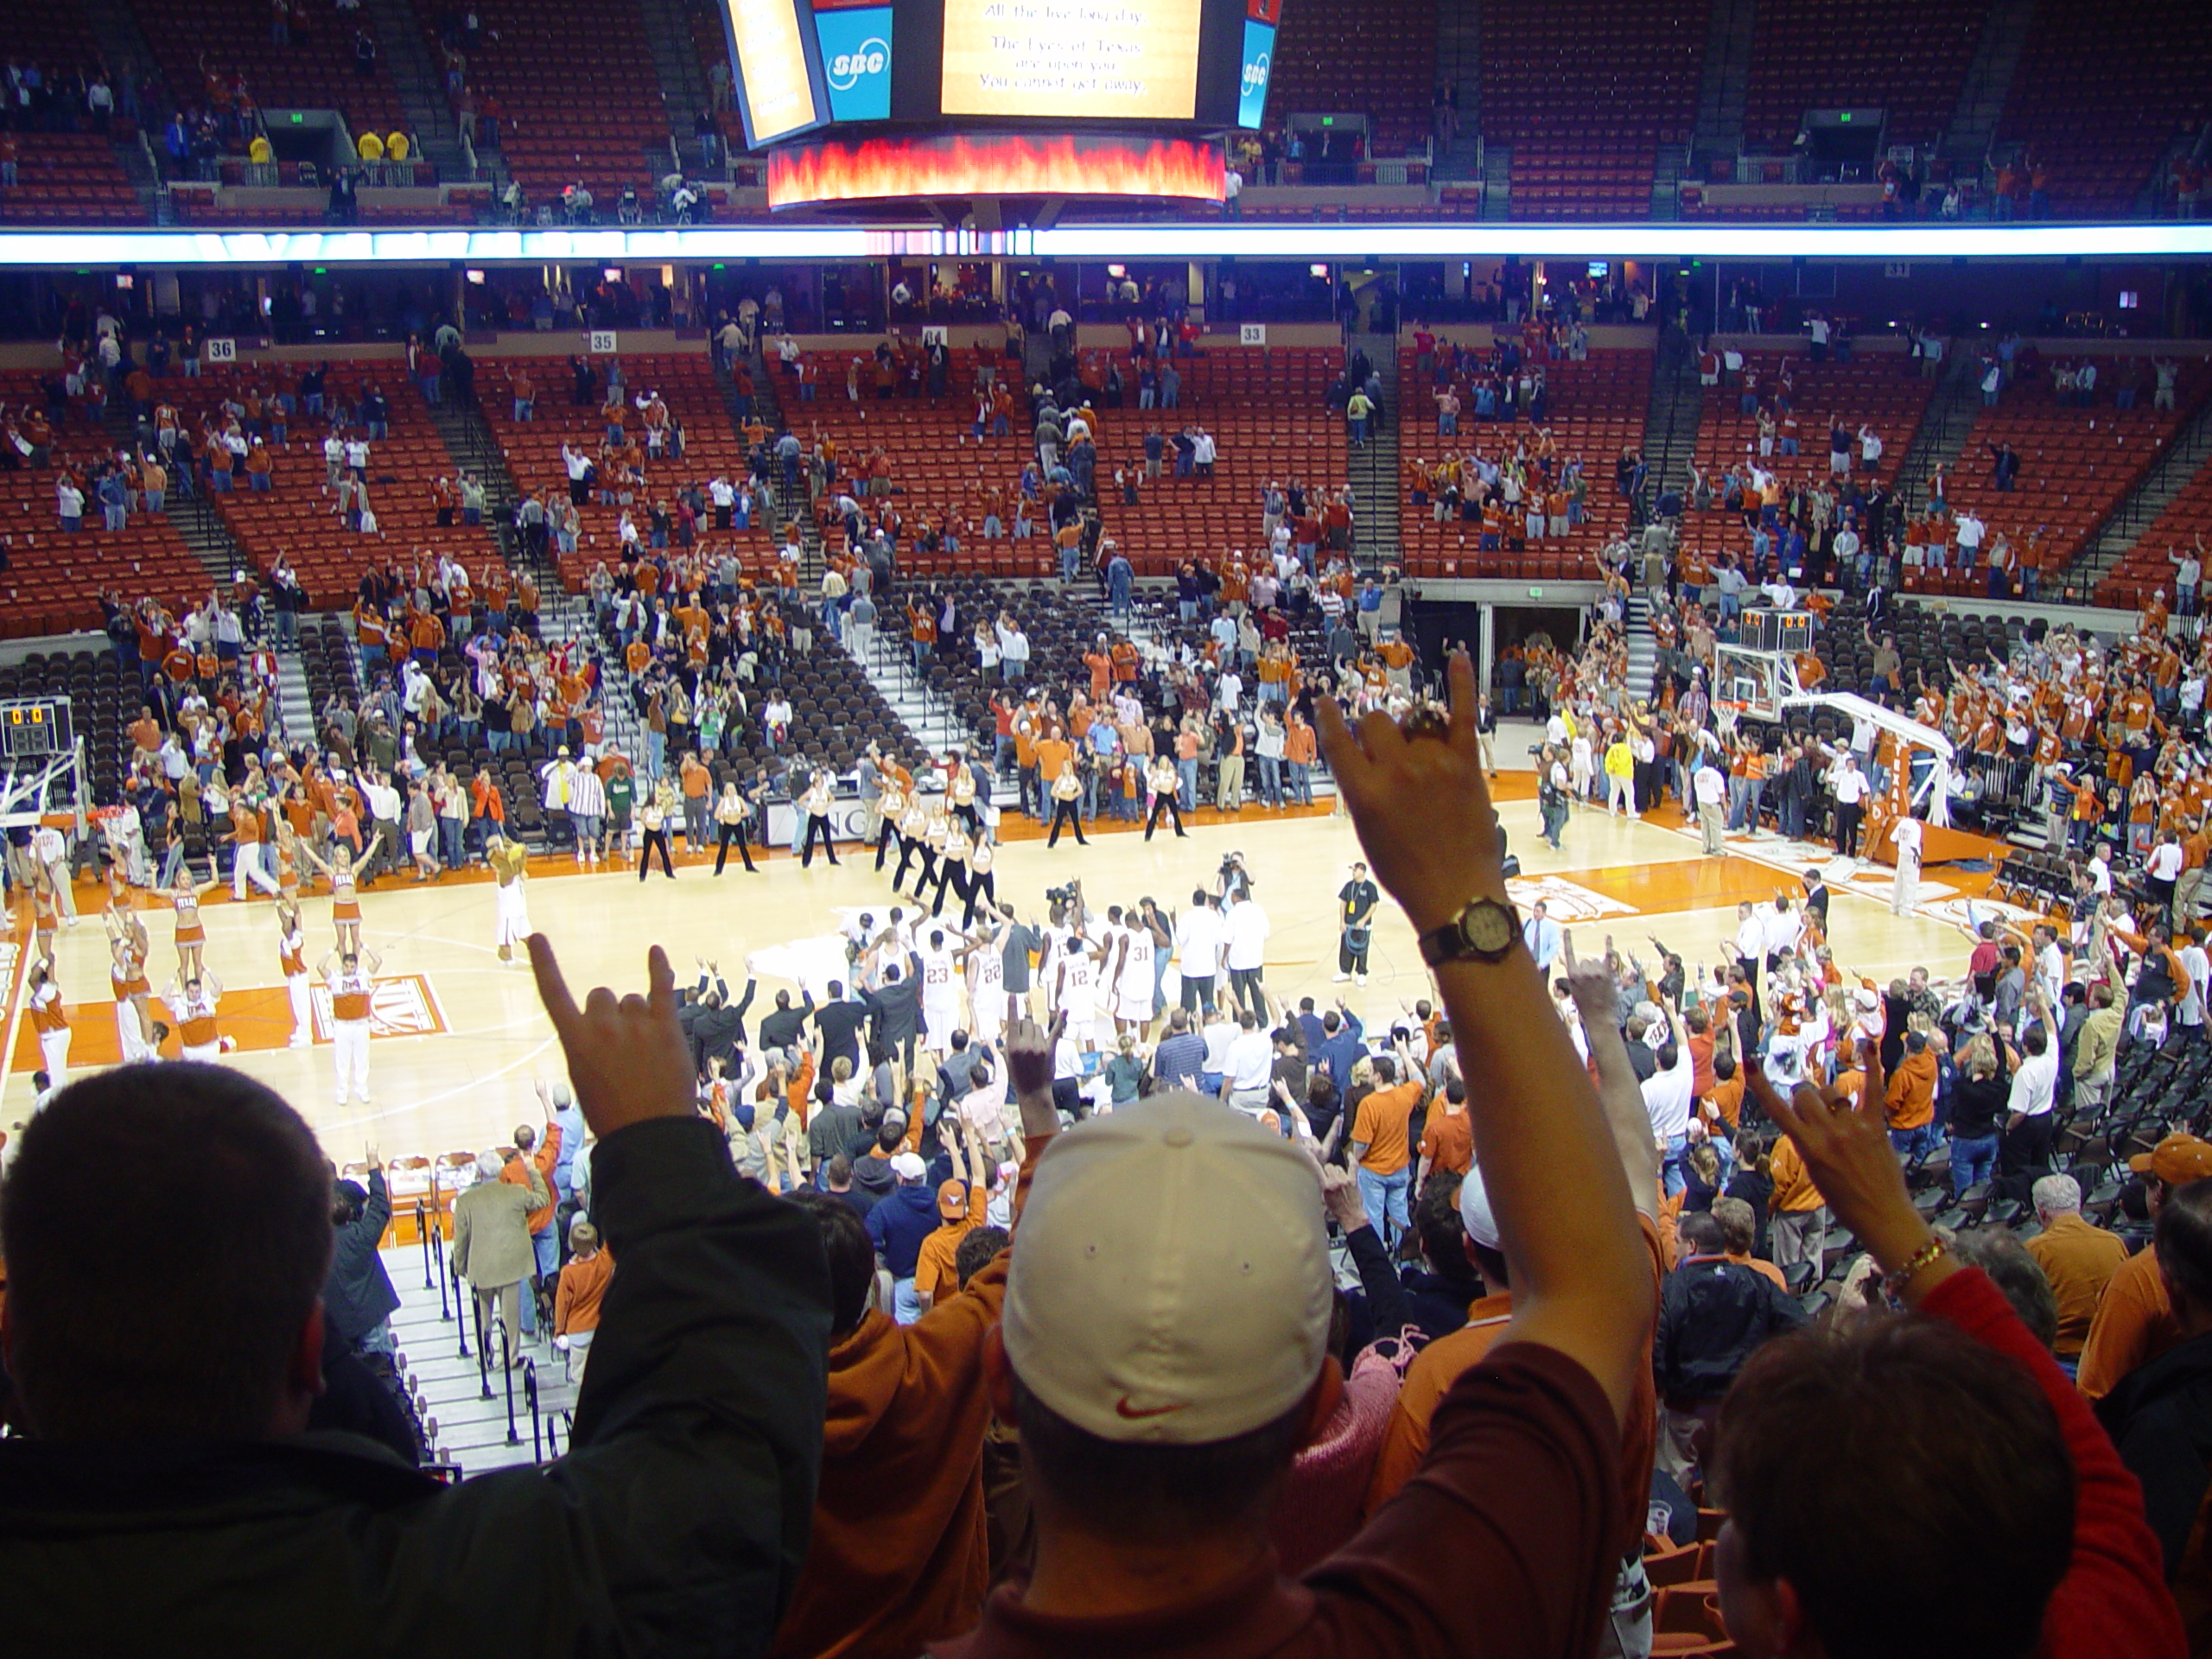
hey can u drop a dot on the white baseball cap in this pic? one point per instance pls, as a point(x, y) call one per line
point(1475, 1212)
point(907, 1166)
point(1172, 1285)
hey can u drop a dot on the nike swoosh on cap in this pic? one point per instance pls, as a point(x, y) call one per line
point(1123, 1408)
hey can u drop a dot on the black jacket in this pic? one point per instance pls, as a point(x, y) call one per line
point(896, 1009)
point(840, 1024)
point(718, 1030)
point(358, 1296)
point(781, 1029)
point(1713, 1314)
point(677, 1523)
point(2159, 1417)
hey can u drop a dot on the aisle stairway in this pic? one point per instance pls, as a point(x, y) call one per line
point(2178, 465)
point(1642, 648)
point(1944, 428)
point(1968, 135)
point(1723, 84)
point(420, 85)
point(1374, 471)
point(441, 1366)
point(1672, 416)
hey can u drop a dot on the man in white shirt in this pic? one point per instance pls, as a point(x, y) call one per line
point(1220, 1031)
point(1749, 943)
point(1783, 927)
point(1968, 531)
point(2190, 1015)
point(1667, 1097)
point(2029, 1125)
point(1710, 788)
point(2163, 869)
point(1850, 788)
point(1247, 1066)
point(1244, 941)
point(1197, 951)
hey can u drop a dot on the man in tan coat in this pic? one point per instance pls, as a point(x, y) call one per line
point(492, 1247)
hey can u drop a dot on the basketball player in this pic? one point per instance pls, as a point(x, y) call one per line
point(984, 962)
point(1132, 978)
point(940, 992)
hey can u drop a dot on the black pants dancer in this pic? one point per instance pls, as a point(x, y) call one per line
point(1064, 812)
point(655, 838)
point(1166, 802)
point(980, 885)
point(730, 832)
point(909, 846)
point(950, 874)
point(817, 828)
point(883, 840)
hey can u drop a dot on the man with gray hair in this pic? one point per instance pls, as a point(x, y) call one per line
point(492, 1247)
point(2077, 1257)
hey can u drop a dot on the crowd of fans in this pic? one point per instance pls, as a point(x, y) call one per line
point(1332, 1321)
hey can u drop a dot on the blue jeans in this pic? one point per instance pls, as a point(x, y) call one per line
point(905, 1305)
point(1678, 1147)
point(1187, 772)
point(1383, 1196)
point(547, 1247)
point(1913, 1143)
point(1974, 1158)
point(1271, 779)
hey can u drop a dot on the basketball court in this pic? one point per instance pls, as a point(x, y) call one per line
point(459, 1037)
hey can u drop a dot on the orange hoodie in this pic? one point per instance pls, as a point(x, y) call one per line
point(1911, 1097)
point(901, 1554)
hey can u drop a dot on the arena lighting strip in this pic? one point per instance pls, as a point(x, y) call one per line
point(1211, 239)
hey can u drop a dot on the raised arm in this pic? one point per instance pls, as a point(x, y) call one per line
point(1618, 1091)
point(1580, 1286)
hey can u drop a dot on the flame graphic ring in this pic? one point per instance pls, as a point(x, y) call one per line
point(993, 164)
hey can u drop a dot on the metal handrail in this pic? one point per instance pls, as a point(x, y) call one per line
point(507, 1372)
point(461, 1322)
point(438, 1254)
point(483, 1348)
point(529, 1398)
point(422, 1239)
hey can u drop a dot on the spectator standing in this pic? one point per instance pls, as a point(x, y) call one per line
point(491, 1248)
point(2078, 1259)
point(708, 1393)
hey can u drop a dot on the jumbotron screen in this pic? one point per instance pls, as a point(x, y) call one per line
point(807, 64)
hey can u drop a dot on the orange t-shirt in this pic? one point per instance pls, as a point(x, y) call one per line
point(1381, 1122)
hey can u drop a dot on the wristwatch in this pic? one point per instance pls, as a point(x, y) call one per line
point(1487, 930)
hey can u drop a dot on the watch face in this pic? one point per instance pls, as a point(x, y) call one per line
point(1486, 926)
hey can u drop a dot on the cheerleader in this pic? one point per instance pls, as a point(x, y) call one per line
point(134, 1024)
point(1163, 783)
point(732, 814)
point(46, 917)
point(191, 932)
point(344, 897)
point(951, 868)
point(890, 808)
point(292, 962)
point(816, 803)
point(191, 1002)
point(1067, 788)
point(913, 833)
point(961, 789)
point(983, 887)
point(49, 1019)
point(510, 862)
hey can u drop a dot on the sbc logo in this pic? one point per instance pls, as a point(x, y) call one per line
point(847, 68)
point(1256, 75)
